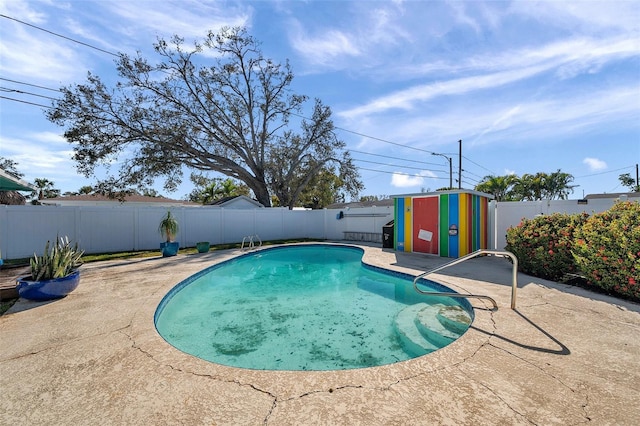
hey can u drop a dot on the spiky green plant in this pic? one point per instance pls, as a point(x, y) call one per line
point(58, 260)
point(168, 226)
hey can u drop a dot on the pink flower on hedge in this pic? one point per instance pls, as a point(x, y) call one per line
point(550, 251)
point(632, 281)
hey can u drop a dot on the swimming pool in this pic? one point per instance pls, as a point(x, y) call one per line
point(306, 307)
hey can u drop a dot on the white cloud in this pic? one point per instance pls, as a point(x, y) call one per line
point(28, 56)
point(187, 19)
point(584, 15)
point(594, 164)
point(363, 40)
point(461, 16)
point(324, 48)
point(566, 58)
point(404, 180)
point(508, 120)
point(42, 150)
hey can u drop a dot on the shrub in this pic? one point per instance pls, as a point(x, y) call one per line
point(58, 260)
point(607, 249)
point(543, 244)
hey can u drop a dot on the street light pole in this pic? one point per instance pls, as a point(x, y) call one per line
point(450, 168)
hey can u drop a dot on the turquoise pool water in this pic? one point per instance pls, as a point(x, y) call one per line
point(306, 307)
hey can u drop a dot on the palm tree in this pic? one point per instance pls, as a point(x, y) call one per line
point(557, 185)
point(544, 186)
point(45, 189)
point(209, 190)
point(501, 187)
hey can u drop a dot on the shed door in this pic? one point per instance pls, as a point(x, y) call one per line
point(425, 224)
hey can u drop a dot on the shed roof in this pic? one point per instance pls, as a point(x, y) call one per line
point(449, 191)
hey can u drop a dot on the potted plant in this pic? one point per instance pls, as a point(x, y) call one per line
point(203, 246)
point(54, 274)
point(168, 229)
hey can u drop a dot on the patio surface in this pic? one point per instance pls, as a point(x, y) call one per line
point(565, 356)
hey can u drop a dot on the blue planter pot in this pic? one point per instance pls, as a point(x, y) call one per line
point(48, 289)
point(169, 249)
point(203, 246)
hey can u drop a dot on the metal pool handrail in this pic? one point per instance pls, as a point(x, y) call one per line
point(514, 279)
point(250, 238)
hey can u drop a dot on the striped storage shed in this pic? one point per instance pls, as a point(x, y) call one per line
point(447, 223)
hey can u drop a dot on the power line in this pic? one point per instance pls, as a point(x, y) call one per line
point(604, 173)
point(60, 35)
point(393, 158)
point(25, 102)
point(401, 173)
point(473, 174)
point(29, 84)
point(395, 165)
point(117, 55)
point(467, 178)
point(382, 140)
point(367, 136)
point(482, 167)
point(4, 89)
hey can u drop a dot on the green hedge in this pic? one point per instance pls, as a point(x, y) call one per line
point(543, 245)
point(607, 249)
point(603, 248)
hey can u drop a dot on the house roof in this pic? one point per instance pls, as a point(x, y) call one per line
point(226, 201)
point(9, 182)
point(448, 191)
point(133, 198)
point(354, 204)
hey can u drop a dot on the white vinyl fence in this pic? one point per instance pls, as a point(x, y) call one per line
point(509, 213)
point(25, 229)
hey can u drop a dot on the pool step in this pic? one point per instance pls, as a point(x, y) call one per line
point(413, 342)
point(454, 318)
point(423, 328)
point(429, 325)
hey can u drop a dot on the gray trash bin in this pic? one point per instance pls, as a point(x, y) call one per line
point(387, 235)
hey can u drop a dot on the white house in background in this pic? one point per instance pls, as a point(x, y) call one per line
point(629, 196)
point(92, 200)
point(239, 202)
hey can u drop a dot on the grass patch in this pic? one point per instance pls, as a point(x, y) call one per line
point(5, 305)
point(14, 263)
point(88, 258)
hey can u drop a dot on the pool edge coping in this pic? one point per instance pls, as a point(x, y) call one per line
point(286, 383)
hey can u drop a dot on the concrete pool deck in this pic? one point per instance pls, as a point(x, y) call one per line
point(564, 356)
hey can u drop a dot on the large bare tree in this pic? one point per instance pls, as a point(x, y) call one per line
point(218, 106)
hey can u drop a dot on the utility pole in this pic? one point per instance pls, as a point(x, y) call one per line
point(460, 165)
point(637, 183)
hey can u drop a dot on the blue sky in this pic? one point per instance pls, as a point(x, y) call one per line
point(527, 86)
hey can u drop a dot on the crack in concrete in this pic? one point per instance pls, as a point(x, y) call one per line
point(61, 345)
point(583, 406)
point(206, 376)
point(506, 403)
point(532, 364)
point(401, 380)
point(276, 399)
